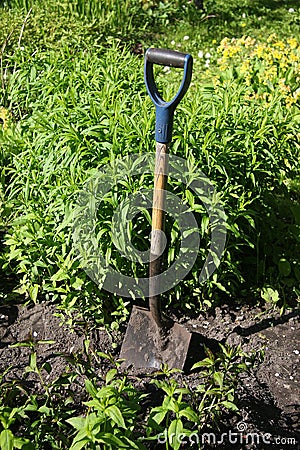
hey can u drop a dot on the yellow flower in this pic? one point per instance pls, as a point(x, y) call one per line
point(270, 73)
point(267, 63)
point(292, 43)
point(283, 64)
point(230, 51)
point(248, 80)
point(280, 44)
point(276, 54)
point(272, 37)
point(284, 89)
point(216, 81)
point(223, 67)
point(4, 117)
point(249, 42)
point(281, 82)
point(293, 57)
point(290, 100)
point(260, 50)
point(245, 67)
point(223, 43)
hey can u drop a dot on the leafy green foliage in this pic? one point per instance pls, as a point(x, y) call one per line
point(112, 415)
point(112, 412)
point(220, 373)
point(184, 411)
point(70, 152)
point(74, 110)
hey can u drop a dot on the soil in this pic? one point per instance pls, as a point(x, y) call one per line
point(268, 398)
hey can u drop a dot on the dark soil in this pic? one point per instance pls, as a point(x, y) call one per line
point(268, 398)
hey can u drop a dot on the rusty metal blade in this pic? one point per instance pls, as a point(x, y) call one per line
point(143, 347)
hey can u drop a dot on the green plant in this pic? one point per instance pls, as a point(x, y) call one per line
point(32, 366)
point(183, 411)
point(219, 375)
point(9, 441)
point(168, 419)
point(111, 417)
point(63, 128)
point(41, 416)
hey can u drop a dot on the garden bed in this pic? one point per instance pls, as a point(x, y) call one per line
point(267, 396)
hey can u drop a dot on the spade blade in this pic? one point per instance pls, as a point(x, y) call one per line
point(143, 346)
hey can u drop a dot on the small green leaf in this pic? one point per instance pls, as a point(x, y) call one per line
point(110, 375)
point(44, 409)
point(115, 414)
point(6, 440)
point(21, 344)
point(219, 377)
point(91, 388)
point(230, 405)
point(174, 431)
point(160, 414)
point(77, 284)
point(80, 439)
point(86, 344)
point(80, 444)
point(95, 403)
point(46, 341)
point(206, 362)
point(23, 444)
point(77, 422)
point(270, 295)
point(190, 414)
point(32, 362)
point(111, 440)
point(60, 275)
point(34, 292)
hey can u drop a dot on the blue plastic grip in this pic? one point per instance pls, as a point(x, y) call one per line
point(165, 110)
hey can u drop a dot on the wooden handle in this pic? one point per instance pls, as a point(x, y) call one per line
point(158, 226)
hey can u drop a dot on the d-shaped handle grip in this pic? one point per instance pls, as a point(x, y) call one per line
point(165, 110)
point(166, 57)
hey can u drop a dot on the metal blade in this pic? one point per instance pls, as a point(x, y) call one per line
point(143, 346)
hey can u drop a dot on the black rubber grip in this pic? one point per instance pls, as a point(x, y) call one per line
point(165, 57)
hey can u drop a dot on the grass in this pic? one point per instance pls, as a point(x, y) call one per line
point(72, 99)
